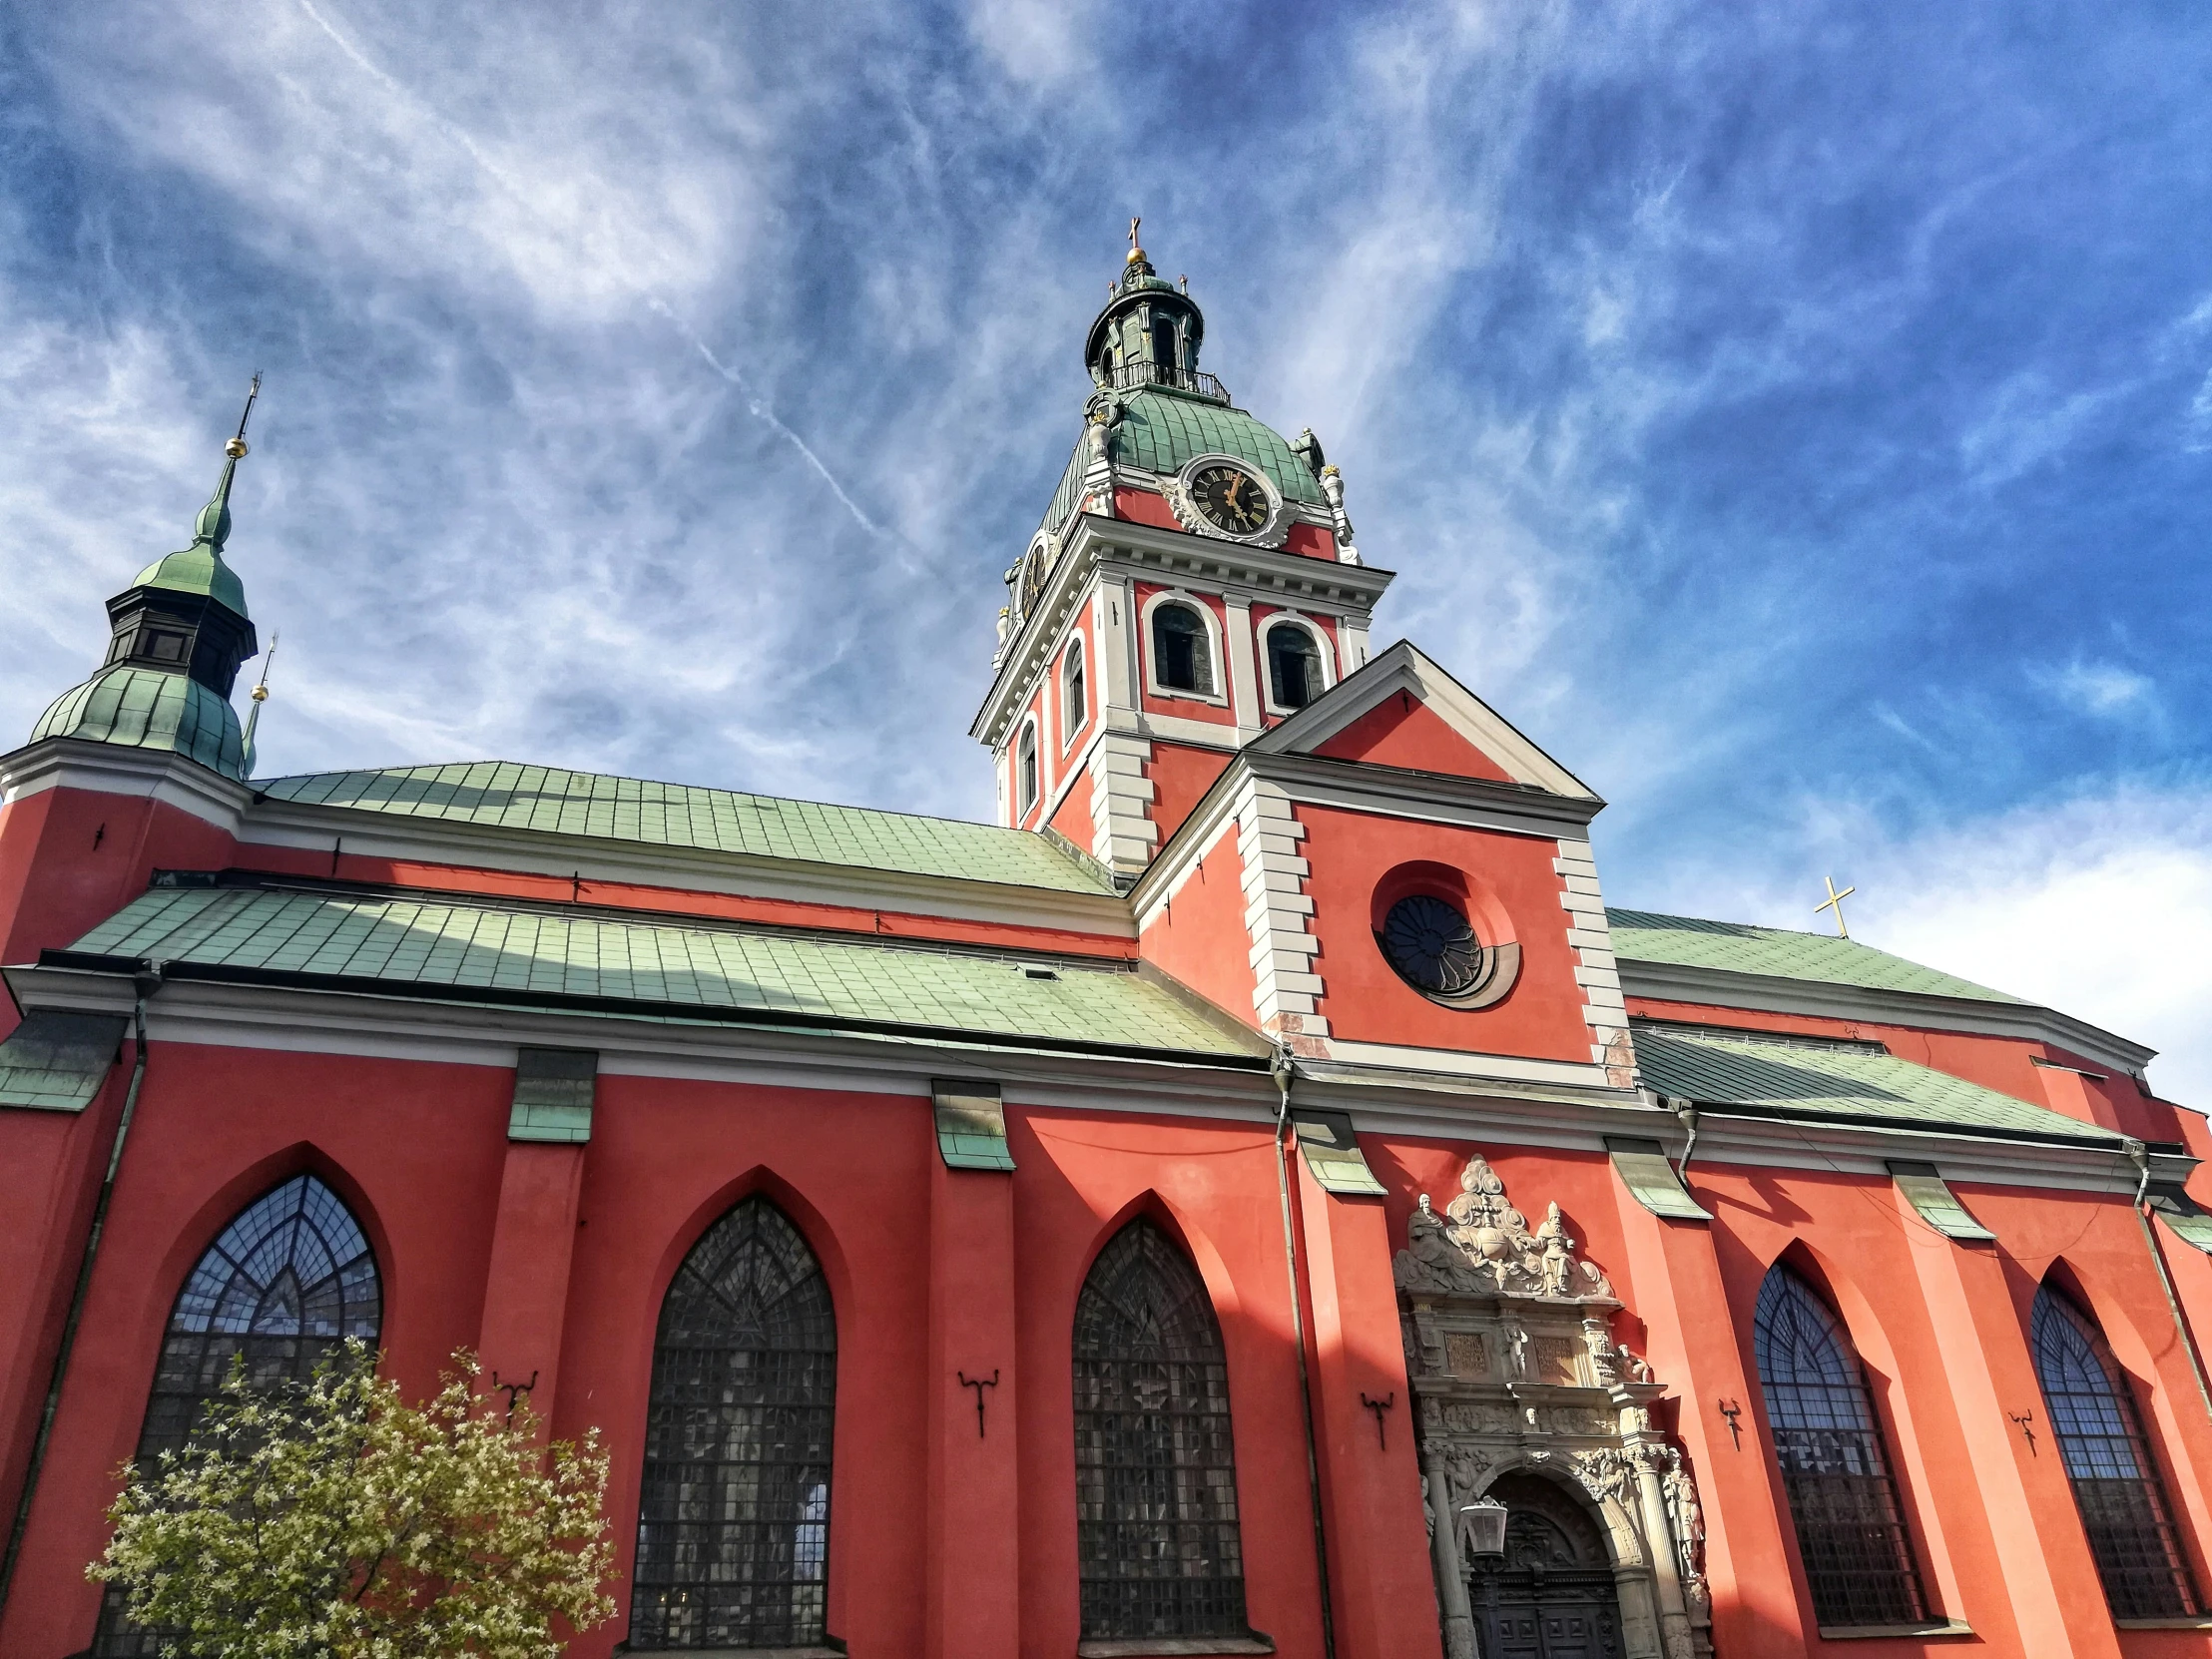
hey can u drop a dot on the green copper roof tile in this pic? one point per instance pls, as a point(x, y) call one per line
point(55, 1061)
point(1160, 430)
point(200, 568)
point(144, 708)
point(1739, 947)
point(1788, 1077)
point(398, 942)
point(551, 800)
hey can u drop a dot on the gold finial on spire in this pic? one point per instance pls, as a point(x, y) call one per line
point(236, 448)
point(1136, 248)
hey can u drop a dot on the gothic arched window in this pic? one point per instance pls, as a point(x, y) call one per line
point(1182, 659)
point(1834, 1470)
point(1293, 665)
point(282, 1285)
point(1155, 1470)
point(1074, 703)
point(1025, 767)
point(734, 1518)
point(2115, 1482)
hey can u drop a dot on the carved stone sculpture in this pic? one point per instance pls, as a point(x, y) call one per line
point(1485, 1247)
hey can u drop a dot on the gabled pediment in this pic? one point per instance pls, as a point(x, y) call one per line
point(1403, 710)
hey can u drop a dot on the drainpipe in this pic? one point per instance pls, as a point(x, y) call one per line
point(146, 983)
point(1284, 1070)
point(2139, 1154)
point(1686, 1110)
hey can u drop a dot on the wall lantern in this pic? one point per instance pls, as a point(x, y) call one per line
point(1485, 1524)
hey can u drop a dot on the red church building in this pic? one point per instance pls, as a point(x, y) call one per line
point(1255, 1198)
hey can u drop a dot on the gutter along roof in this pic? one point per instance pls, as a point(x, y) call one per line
point(436, 948)
point(553, 801)
point(1781, 1077)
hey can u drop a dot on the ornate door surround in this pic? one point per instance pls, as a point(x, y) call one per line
point(1511, 1355)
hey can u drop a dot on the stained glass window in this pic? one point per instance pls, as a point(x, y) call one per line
point(1835, 1468)
point(733, 1520)
point(284, 1284)
point(1155, 1470)
point(2115, 1482)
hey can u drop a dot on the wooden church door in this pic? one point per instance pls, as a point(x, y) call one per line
point(1552, 1596)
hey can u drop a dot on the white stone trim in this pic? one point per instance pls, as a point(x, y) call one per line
point(1024, 805)
point(1243, 694)
point(1123, 834)
point(1469, 1064)
point(1183, 595)
point(115, 768)
point(1321, 643)
point(1278, 916)
point(1604, 1010)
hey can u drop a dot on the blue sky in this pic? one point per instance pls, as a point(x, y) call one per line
point(1799, 418)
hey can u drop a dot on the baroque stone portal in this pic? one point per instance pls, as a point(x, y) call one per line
point(1510, 1352)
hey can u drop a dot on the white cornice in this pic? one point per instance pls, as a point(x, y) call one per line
point(1482, 1112)
point(1772, 994)
point(422, 839)
point(1091, 544)
point(114, 769)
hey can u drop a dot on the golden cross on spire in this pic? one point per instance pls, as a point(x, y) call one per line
point(1132, 224)
point(1836, 903)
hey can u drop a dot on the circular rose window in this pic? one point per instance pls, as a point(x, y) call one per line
point(1432, 947)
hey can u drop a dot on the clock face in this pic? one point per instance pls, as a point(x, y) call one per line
point(1230, 498)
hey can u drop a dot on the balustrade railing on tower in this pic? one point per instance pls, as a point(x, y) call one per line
point(1196, 381)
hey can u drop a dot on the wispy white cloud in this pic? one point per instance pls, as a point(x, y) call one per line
point(2106, 689)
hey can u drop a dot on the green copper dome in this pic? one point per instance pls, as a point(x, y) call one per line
point(198, 569)
point(150, 709)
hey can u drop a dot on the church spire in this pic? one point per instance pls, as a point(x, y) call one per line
point(214, 526)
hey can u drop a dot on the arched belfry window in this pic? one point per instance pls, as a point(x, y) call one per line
point(1834, 1468)
point(1182, 658)
point(1155, 1470)
point(289, 1281)
point(1074, 695)
point(734, 1518)
point(2115, 1482)
point(1025, 767)
point(1293, 665)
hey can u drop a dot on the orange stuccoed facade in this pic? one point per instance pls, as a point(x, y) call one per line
point(1257, 1197)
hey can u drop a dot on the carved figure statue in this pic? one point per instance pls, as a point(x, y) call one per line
point(1604, 1472)
point(1635, 1364)
point(1558, 1251)
point(1685, 1517)
point(1307, 448)
point(1485, 1246)
point(1517, 1340)
point(1100, 416)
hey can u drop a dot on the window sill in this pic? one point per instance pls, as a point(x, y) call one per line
point(1870, 1632)
point(1172, 1647)
point(2201, 1622)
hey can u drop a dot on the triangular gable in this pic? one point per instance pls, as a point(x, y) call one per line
point(1401, 709)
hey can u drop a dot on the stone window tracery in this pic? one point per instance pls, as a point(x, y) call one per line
point(1155, 1472)
point(1835, 1474)
point(284, 1286)
point(734, 1515)
point(2115, 1480)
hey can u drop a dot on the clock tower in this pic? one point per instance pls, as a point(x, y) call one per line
point(1193, 583)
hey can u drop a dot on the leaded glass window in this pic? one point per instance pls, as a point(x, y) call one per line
point(734, 1519)
point(1155, 1470)
point(288, 1281)
point(1834, 1468)
point(2117, 1483)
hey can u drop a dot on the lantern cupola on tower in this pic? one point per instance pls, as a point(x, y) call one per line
point(177, 636)
point(1149, 332)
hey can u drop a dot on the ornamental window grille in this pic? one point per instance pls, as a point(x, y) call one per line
point(1075, 707)
point(1025, 768)
point(284, 1286)
point(734, 1516)
point(2117, 1483)
point(1293, 666)
point(1155, 1470)
point(1835, 1469)
point(1181, 657)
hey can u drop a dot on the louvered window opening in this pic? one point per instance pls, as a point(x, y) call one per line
point(1181, 657)
point(1834, 1470)
point(2108, 1462)
point(1155, 1469)
point(734, 1518)
point(1293, 665)
point(286, 1284)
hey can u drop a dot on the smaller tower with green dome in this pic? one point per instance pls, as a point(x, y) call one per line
point(179, 634)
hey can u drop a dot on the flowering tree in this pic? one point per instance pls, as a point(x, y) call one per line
point(331, 1521)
